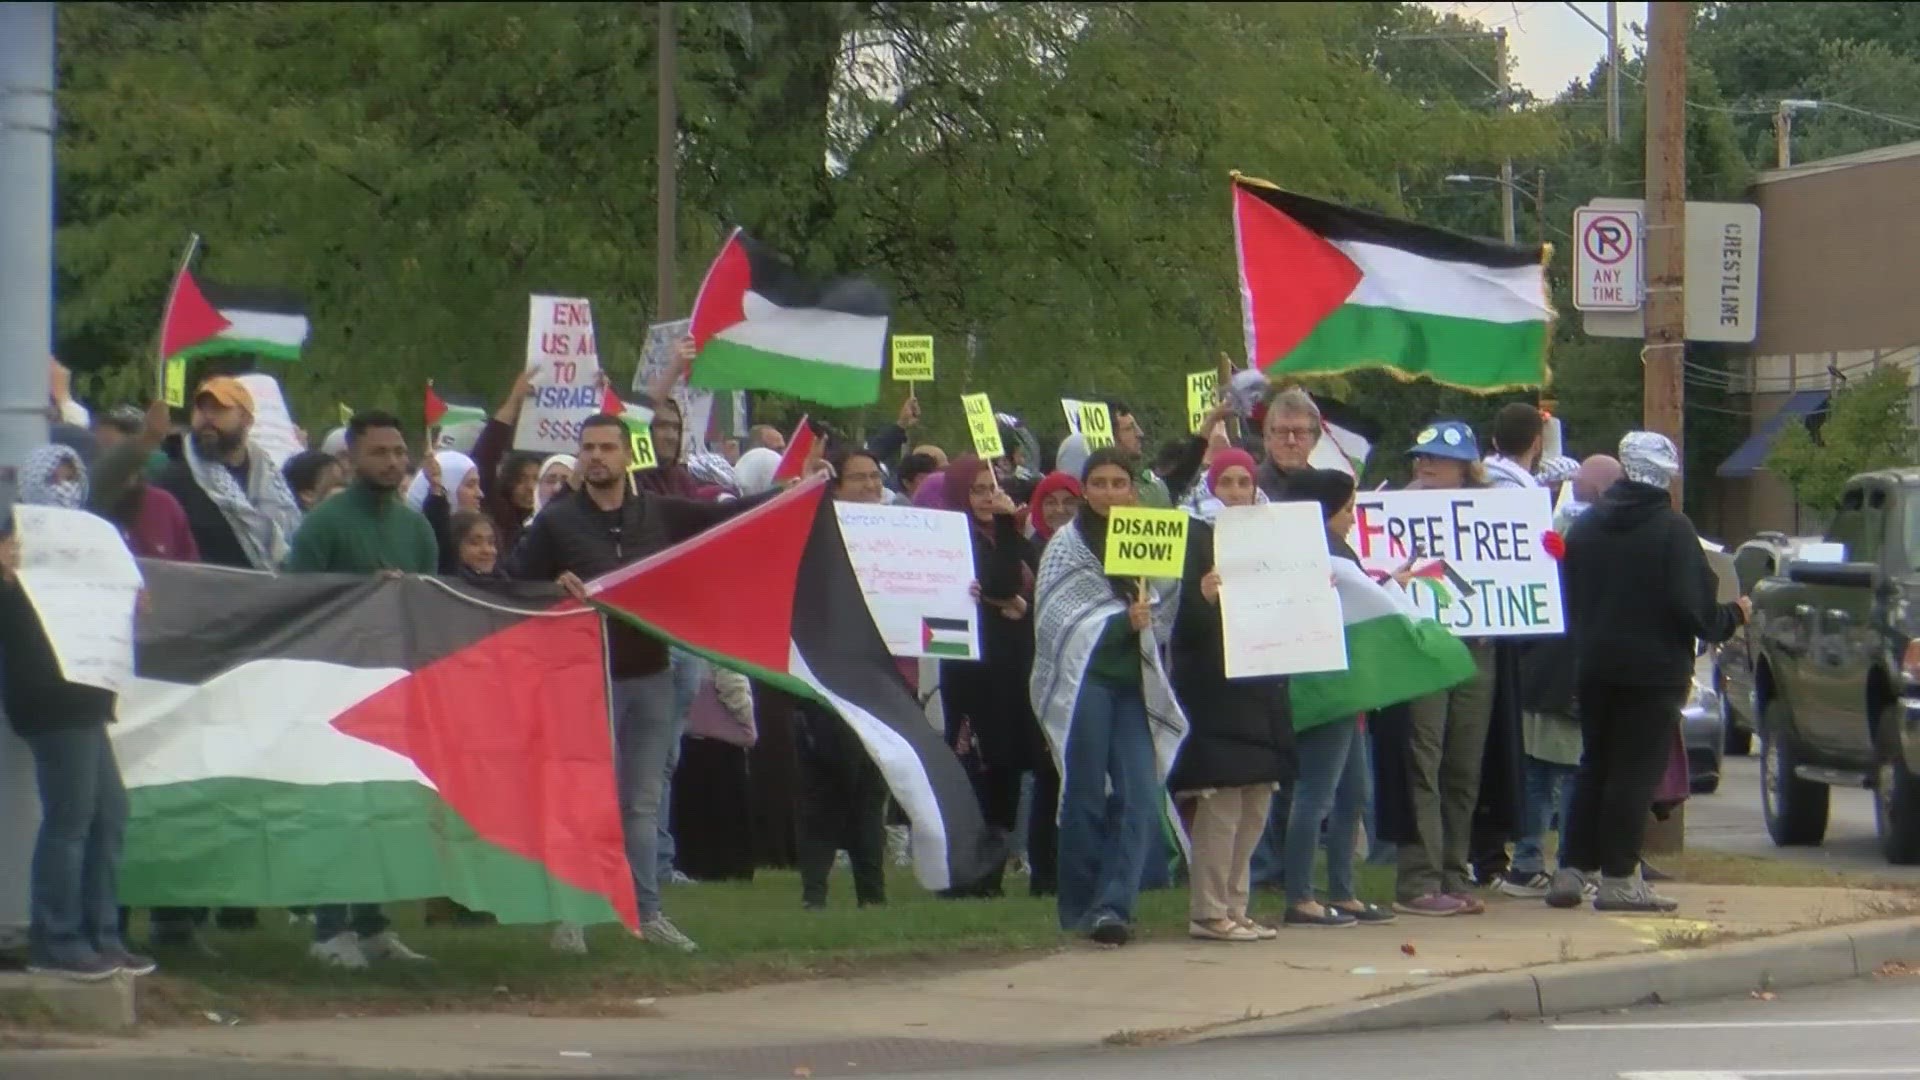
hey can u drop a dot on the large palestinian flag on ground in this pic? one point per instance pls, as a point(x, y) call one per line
point(304, 739)
point(771, 594)
point(761, 325)
point(1394, 654)
point(204, 319)
point(1328, 288)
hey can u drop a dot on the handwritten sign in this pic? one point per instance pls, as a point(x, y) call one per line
point(177, 383)
point(913, 358)
point(1071, 407)
point(84, 585)
point(1142, 542)
point(1478, 563)
point(1096, 424)
point(273, 428)
point(916, 572)
point(1279, 614)
point(562, 353)
point(696, 406)
point(982, 426)
point(1201, 388)
point(640, 448)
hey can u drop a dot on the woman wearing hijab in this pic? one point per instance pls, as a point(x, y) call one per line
point(1240, 746)
point(1106, 706)
point(448, 484)
point(75, 931)
point(1056, 498)
point(754, 471)
point(555, 476)
point(991, 692)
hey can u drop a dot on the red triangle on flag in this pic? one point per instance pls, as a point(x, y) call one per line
point(1291, 278)
point(435, 408)
point(189, 318)
point(793, 460)
point(610, 402)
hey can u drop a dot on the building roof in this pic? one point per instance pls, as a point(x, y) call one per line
point(1875, 156)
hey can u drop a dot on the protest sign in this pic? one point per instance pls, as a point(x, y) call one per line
point(84, 585)
point(912, 358)
point(273, 427)
point(1201, 386)
point(1279, 613)
point(696, 406)
point(1071, 407)
point(982, 426)
point(176, 393)
point(1146, 543)
point(640, 448)
point(1479, 566)
point(565, 360)
point(916, 571)
point(1096, 424)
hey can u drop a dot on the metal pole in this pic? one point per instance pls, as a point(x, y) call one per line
point(1506, 164)
point(1613, 72)
point(666, 242)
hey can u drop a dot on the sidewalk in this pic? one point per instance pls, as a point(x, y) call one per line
point(1076, 999)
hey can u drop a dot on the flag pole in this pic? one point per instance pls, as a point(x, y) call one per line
point(173, 291)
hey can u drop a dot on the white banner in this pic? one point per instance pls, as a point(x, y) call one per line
point(84, 586)
point(1476, 554)
point(696, 406)
point(916, 570)
point(566, 389)
point(1279, 612)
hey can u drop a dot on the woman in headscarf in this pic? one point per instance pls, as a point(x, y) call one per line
point(754, 471)
point(990, 693)
point(1056, 498)
point(1240, 746)
point(1108, 711)
point(75, 930)
point(1205, 503)
point(446, 484)
point(556, 476)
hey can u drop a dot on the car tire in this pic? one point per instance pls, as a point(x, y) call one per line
point(1896, 796)
point(1739, 742)
point(1795, 809)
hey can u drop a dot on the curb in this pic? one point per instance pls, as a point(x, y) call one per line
point(1804, 958)
point(107, 1004)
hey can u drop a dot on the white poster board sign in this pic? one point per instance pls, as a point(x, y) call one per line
point(1279, 613)
point(696, 406)
point(84, 585)
point(1478, 563)
point(561, 349)
point(916, 570)
point(273, 428)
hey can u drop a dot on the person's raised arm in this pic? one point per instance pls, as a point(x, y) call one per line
point(496, 438)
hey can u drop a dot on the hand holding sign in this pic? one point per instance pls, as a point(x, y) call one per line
point(982, 426)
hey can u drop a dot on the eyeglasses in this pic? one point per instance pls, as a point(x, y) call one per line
point(1293, 434)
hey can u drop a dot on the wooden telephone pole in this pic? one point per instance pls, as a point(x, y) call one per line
point(666, 148)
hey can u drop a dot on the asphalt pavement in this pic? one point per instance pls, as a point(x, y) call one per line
point(1729, 820)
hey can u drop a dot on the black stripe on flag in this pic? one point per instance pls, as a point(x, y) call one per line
point(778, 282)
point(270, 299)
point(935, 623)
point(1336, 222)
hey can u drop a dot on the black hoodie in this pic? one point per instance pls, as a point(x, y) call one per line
point(1639, 591)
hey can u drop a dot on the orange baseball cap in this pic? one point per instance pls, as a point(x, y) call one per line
point(229, 391)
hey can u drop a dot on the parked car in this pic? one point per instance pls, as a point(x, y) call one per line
point(1753, 562)
point(1835, 670)
point(1703, 727)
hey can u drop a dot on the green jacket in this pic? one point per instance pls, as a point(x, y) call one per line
point(363, 531)
point(1152, 491)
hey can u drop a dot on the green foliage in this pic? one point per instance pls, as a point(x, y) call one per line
point(1868, 427)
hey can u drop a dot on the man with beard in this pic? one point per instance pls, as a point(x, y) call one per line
point(238, 505)
point(1131, 440)
point(585, 533)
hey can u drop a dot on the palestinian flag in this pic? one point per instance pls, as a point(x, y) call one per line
point(1328, 289)
point(306, 739)
point(771, 594)
point(793, 460)
point(1394, 654)
point(946, 637)
point(204, 319)
point(442, 413)
point(1346, 437)
point(760, 325)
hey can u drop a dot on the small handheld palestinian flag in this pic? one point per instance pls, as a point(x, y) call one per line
point(1328, 288)
point(204, 319)
point(793, 460)
point(772, 595)
point(761, 325)
point(441, 413)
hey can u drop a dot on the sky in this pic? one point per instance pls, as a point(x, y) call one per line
point(1551, 45)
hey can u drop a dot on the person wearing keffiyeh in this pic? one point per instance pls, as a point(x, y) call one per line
point(239, 506)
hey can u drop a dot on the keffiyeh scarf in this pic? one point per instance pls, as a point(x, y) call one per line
point(263, 517)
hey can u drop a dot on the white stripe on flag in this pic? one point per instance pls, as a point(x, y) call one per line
point(280, 329)
point(1412, 283)
point(834, 337)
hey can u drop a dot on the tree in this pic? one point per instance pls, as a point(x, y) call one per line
point(1868, 426)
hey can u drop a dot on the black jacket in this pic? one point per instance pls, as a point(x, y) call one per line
point(37, 698)
point(991, 692)
point(211, 532)
point(1639, 591)
point(572, 534)
point(1240, 731)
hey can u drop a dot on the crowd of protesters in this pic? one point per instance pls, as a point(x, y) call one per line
point(1459, 788)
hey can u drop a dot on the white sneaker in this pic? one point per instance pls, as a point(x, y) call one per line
point(386, 945)
point(569, 938)
point(678, 878)
point(661, 931)
point(342, 950)
point(899, 845)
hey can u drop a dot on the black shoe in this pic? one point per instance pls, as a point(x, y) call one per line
point(131, 963)
point(90, 968)
point(1110, 930)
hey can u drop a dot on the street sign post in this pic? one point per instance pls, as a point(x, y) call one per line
point(1723, 274)
point(1606, 260)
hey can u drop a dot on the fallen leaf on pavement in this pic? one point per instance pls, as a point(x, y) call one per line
point(1893, 969)
point(1764, 995)
point(802, 1071)
point(1407, 947)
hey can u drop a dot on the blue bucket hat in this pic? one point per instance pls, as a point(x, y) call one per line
point(1451, 439)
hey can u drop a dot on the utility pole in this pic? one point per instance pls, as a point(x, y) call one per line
point(1613, 72)
point(1540, 203)
point(1783, 135)
point(666, 151)
point(1506, 164)
point(1664, 356)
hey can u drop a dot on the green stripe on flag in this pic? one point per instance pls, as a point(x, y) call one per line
point(222, 346)
point(730, 365)
point(1389, 660)
point(1472, 354)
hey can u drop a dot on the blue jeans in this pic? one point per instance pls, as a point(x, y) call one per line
point(76, 857)
point(642, 739)
point(1332, 787)
point(689, 671)
point(1549, 792)
point(1102, 857)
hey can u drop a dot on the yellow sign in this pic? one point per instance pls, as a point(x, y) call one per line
point(913, 358)
point(982, 426)
point(177, 382)
point(1096, 424)
point(1146, 543)
point(346, 415)
point(1201, 386)
point(640, 447)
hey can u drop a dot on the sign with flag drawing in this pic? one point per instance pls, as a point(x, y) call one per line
point(1479, 562)
point(916, 571)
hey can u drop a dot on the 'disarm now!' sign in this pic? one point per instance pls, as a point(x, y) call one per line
point(1479, 563)
point(1143, 542)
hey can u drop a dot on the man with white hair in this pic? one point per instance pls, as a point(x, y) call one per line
point(1639, 594)
point(1289, 432)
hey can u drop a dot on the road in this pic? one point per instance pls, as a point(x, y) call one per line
point(1730, 821)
